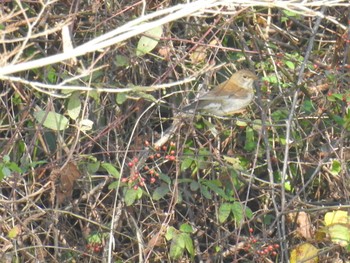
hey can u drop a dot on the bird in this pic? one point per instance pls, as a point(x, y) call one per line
point(228, 98)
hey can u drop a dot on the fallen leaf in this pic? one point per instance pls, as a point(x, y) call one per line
point(305, 253)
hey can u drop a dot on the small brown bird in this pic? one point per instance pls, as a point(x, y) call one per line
point(230, 97)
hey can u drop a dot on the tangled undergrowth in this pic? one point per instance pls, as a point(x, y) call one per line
point(83, 178)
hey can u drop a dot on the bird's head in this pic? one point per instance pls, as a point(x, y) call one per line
point(243, 78)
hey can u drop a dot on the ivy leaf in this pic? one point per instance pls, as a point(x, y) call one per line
point(224, 212)
point(160, 192)
point(74, 105)
point(148, 42)
point(51, 120)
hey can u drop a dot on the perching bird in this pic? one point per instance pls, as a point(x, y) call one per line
point(230, 97)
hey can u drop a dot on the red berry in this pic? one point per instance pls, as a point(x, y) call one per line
point(276, 246)
point(164, 148)
point(172, 158)
point(158, 155)
point(251, 230)
point(124, 179)
point(254, 240)
point(153, 180)
point(151, 157)
point(97, 249)
point(270, 247)
point(136, 160)
point(172, 152)
point(130, 164)
point(147, 143)
point(151, 172)
point(146, 168)
point(136, 187)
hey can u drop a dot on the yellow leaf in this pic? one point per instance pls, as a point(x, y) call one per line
point(13, 233)
point(336, 217)
point(305, 253)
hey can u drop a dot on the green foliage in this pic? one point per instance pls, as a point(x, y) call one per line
point(148, 42)
point(236, 210)
point(160, 192)
point(110, 168)
point(180, 241)
point(51, 120)
point(132, 195)
point(74, 105)
point(7, 167)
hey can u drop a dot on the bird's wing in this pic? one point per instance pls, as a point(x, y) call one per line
point(224, 91)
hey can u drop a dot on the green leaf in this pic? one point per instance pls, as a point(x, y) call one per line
point(224, 212)
point(180, 240)
point(290, 13)
point(336, 167)
point(86, 124)
point(248, 213)
point(160, 192)
point(51, 74)
point(51, 120)
point(215, 186)
point(340, 234)
point(122, 61)
point(13, 233)
point(186, 163)
point(165, 178)
point(335, 97)
point(131, 195)
point(188, 243)
point(205, 192)
point(14, 167)
point(121, 98)
point(176, 250)
point(4, 172)
point(92, 167)
point(194, 186)
point(113, 185)
point(290, 64)
point(241, 123)
point(111, 169)
point(250, 144)
point(186, 228)
point(237, 210)
point(308, 106)
point(234, 161)
point(74, 105)
point(6, 158)
point(148, 42)
point(170, 233)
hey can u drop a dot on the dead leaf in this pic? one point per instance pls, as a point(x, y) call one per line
point(63, 182)
point(198, 55)
point(306, 253)
point(303, 223)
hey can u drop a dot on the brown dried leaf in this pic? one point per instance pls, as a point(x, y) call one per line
point(303, 222)
point(63, 182)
